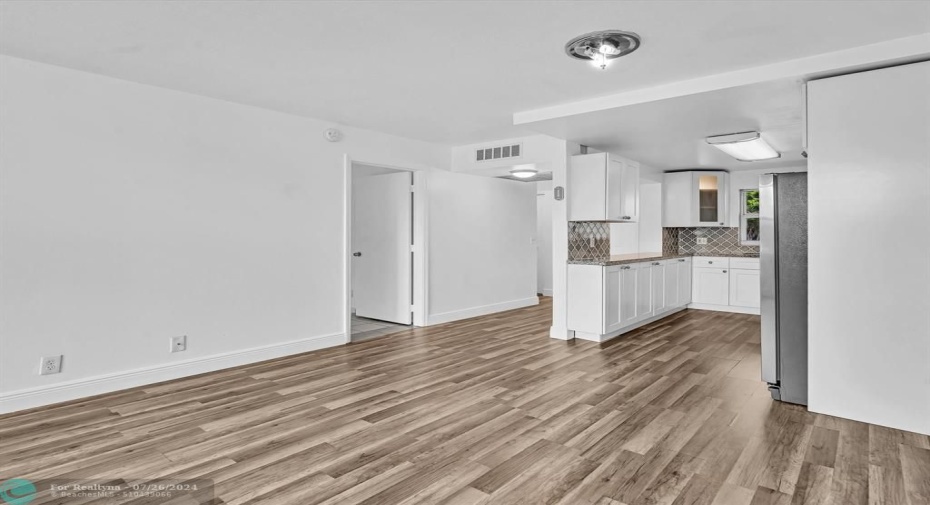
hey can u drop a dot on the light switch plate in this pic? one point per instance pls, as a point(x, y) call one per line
point(702, 240)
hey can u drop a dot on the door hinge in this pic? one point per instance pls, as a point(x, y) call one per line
point(412, 189)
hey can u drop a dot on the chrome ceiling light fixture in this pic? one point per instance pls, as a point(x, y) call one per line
point(601, 47)
point(745, 146)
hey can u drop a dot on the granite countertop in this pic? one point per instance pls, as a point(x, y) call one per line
point(621, 259)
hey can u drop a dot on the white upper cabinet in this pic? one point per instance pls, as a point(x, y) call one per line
point(603, 187)
point(694, 198)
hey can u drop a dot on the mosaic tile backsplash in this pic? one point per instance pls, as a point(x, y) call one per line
point(719, 241)
point(588, 240)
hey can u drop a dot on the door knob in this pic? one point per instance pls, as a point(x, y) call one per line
point(356, 254)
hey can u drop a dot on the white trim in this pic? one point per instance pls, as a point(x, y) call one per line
point(483, 310)
point(108, 383)
point(547, 291)
point(592, 337)
point(724, 308)
point(420, 307)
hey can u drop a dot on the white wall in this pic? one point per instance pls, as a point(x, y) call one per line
point(544, 237)
point(869, 284)
point(549, 154)
point(482, 251)
point(131, 213)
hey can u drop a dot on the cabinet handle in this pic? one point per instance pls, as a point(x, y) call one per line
point(710, 262)
point(657, 263)
point(628, 217)
point(624, 268)
point(724, 271)
point(681, 260)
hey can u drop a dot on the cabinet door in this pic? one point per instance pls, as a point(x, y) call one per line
point(587, 178)
point(614, 190)
point(684, 281)
point(612, 299)
point(677, 200)
point(712, 286)
point(643, 291)
point(658, 288)
point(744, 288)
point(629, 191)
point(627, 295)
point(672, 276)
point(710, 189)
point(585, 298)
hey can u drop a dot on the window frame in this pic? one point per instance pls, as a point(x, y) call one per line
point(744, 217)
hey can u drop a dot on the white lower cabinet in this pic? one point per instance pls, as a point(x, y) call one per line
point(711, 286)
point(643, 274)
point(726, 284)
point(605, 301)
point(658, 286)
point(684, 280)
point(744, 288)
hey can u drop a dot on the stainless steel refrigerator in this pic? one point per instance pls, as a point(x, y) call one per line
point(783, 253)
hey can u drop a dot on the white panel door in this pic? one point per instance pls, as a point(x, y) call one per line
point(744, 288)
point(643, 291)
point(711, 286)
point(613, 298)
point(614, 188)
point(381, 239)
point(671, 285)
point(658, 287)
point(684, 281)
point(627, 295)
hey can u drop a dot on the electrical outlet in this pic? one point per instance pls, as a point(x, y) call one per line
point(702, 240)
point(179, 344)
point(50, 365)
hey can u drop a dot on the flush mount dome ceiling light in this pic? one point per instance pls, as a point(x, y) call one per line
point(745, 146)
point(524, 173)
point(601, 47)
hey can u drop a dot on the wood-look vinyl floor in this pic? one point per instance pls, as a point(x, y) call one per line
point(487, 410)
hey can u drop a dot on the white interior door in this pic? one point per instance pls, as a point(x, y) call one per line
point(382, 230)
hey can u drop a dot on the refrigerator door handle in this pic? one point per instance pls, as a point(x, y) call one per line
point(768, 250)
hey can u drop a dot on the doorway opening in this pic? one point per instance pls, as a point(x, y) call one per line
point(383, 245)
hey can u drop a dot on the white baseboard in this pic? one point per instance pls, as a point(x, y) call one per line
point(483, 310)
point(724, 308)
point(603, 338)
point(82, 388)
point(561, 333)
point(547, 292)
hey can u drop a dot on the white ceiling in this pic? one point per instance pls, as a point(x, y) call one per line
point(450, 72)
point(669, 134)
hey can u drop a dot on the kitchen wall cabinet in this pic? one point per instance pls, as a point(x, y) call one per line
point(603, 187)
point(695, 198)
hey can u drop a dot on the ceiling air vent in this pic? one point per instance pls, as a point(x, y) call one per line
point(498, 153)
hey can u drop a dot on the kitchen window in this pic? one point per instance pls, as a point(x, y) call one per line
point(749, 217)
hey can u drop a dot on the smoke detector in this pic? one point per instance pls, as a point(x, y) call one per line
point(601, 47)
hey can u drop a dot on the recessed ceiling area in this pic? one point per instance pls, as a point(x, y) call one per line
point(451, 72)
point(670, 134)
